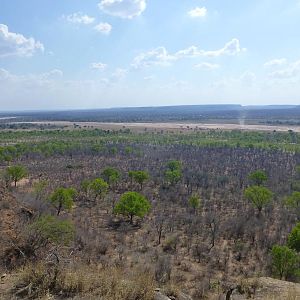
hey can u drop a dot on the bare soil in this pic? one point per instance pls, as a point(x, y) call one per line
point(172, 126)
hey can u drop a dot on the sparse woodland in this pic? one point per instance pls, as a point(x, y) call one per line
point(115, 219)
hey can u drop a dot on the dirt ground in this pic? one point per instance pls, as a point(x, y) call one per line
point(171, 126)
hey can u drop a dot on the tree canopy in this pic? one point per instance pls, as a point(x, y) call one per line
point(62, 198)
point(294, 238)
point(258, 177)
point(259, 196)
point(285, 261)
point(132, 204)
point(16, 173)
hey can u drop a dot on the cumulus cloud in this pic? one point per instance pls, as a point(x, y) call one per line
point(290, 71)
point(52, 75)
point(157, 56)
point(4, 74)
point(275, 62)
point(233, 47)
point(207, 66)
point(16, 44)
point(98, 66)
point(161, 56)
point(198, 12)
point(126, 9)
point(48, 90)
point(79, 18)
point(119, 73)
point(103, 28)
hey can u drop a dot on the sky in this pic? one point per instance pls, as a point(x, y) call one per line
point(82, 54)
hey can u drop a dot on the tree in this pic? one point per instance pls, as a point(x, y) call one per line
point(132, 204)
point(49, 229)
point(285, 261)
point(139, 176)
point(259, 196)
point(98, 187)
point(298, 172)
point(194, 202)
point(293, 200)
point(173, 173)
point(159, 224)
point(258, 177)
point(62, 198)
point(16, 173)
point(294, 238)
point(173, 177)
point(174, 165)
point(39, 189)
point(111, 175)
point(84, 186)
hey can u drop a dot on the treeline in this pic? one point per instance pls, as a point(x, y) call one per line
point(17, 144)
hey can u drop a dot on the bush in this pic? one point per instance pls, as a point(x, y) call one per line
point(294, 238)
point(132, 204)
point(285, 261)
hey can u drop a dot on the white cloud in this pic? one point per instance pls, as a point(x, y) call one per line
point(52, 75)
point(79, 18)
point(207, 66)
point(4, 74)
point(48, 90)
point(16, 44)
point(103, 28)
point(158, 56)
point(291, 71)
point(119, 73)
point(233, 47)
point(98, 66)
point(275, 62)
point(161, 56)
point(198, 12)
point(149, 78)
point(248, 78)
point(126, 9)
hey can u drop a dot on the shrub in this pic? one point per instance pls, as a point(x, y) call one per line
point(132, 204)
point(285, 261)
point(294, 238)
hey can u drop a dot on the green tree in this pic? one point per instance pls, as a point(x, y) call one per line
point(173, 173)
point(285, 261)
point(195, 202)
point(16, 173)
point(132, 204)
point(294, 238)
point(39, 189)
point(62, 198)
point(84, 186)
point(139, 176)
point(174, 165)
point(293, 200)
point(258, 177)
point(172, 177)
point(259, 196)
point(49, 229)
point(111, 175)
point(98, 187)
point(298, 172)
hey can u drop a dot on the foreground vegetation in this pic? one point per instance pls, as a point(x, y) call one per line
point(115, 215)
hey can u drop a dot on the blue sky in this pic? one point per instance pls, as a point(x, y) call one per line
point(59, 54)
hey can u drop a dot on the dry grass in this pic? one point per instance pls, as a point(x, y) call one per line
point(38, 281)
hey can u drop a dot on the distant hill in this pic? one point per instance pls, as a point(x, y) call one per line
point(231, 113)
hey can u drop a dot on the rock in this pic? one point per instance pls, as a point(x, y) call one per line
point(3, 276)
point(159, 296)
point(266, 288)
